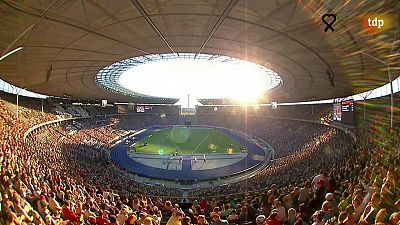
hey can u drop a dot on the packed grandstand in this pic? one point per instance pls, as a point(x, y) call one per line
point(62, 173)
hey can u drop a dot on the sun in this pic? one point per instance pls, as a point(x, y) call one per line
point(204, 77)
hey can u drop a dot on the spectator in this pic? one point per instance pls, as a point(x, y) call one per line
point(217, 220)
point(113, 220)
point(233, 217)
point(273, 218)
point(318, 218)
point(291, 219)
point(280, 210)
point(344, 201)
point(186, 221)
point(67, 213)
point(176, 219)
point(304, 193)
point(261, 220)
point(202, 220)
point(226, 212)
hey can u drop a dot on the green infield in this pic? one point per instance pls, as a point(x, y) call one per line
point(183, 140)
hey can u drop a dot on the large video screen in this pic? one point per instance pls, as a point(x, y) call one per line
point(344, 112)
point(143, 108)
point(348, 112)
point(337, 112)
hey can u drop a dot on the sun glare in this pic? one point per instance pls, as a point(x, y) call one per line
point(199, 78)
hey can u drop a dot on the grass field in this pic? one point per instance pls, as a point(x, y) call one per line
point(185, 140)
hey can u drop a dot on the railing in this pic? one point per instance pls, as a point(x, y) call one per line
point(44, 124)
point(48, 123)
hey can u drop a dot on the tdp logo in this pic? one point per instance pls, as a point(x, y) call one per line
point(375, 22)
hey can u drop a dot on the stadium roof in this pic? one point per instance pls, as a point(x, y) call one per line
point(66, 43)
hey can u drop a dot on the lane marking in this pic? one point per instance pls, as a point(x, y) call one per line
point(201, 142)
point(174, 143)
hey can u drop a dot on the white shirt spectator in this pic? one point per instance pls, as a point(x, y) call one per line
point(281, 212)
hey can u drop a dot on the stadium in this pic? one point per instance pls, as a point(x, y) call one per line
point(175, 112)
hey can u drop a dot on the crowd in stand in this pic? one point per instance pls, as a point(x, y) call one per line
point(96, 136)
point(319, 154)
point(57, 178)
point(276, 132)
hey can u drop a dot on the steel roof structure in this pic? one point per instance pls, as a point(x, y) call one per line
point(65, 43)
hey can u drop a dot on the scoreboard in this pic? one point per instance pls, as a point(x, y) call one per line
point(348, 112)
point(344, 112)
point(143, 108)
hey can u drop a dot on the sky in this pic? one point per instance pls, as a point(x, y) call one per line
point(200, 79)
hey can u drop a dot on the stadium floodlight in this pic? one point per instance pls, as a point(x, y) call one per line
point(10, 53)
